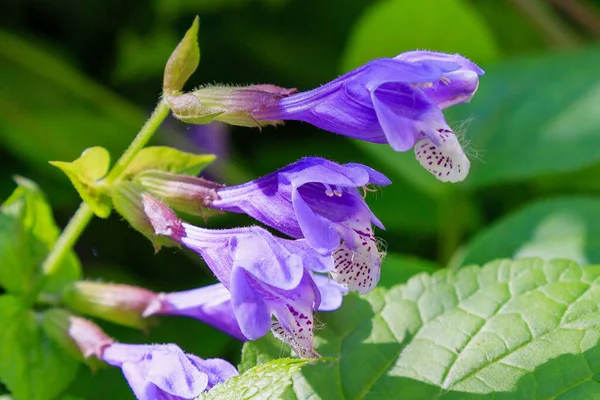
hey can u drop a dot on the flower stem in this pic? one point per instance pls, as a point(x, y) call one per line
point(84, 213)
point(160, 113)
point(67, 238)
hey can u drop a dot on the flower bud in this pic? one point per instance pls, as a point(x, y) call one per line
point(181, 192)
point(78, 336)
point(183, 61)
point(127, 200)
point(233, 105)
point(121, 304)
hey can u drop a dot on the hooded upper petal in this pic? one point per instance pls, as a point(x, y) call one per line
point(305, 199)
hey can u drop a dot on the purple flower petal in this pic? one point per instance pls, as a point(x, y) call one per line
point(332, 293)
point(317, 230)
point(210, 304)
point(249, 306)
point(162, 371)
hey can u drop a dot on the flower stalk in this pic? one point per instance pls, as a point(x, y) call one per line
point(84, 214)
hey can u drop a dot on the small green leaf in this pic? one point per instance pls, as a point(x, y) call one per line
point(84, 173)
point(183, 61)
point(170, 160)
point(512, 330)
point(27, 232)
point(32, 366)
point(262, 382)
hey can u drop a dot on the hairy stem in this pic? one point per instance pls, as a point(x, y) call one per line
point(84, 213)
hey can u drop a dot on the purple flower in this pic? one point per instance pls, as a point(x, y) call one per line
point(392, 100)
point(265, 275)
point(319, 200)
point(210, 304)
point(164, 371)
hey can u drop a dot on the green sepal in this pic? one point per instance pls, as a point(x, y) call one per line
point(127, 200)
point(183, 61)
point(84, 173)
point(168, 159)
point(180, 192)
point(27, 233)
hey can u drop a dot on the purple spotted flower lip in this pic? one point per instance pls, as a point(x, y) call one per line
point(165, 372)
point(266, 276)
point(318, 200)
point(396, 101)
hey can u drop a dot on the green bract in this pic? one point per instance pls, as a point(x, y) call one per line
point(85, 173)
point(167, 159)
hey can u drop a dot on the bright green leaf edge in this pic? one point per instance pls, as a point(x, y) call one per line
point(264, 381)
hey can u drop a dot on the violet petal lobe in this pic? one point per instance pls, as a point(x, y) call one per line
point(332, 293)
point(157, 371)
point(210, 304)
point(249, 306)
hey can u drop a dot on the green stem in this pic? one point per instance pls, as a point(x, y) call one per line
point(67, 239)
point(160, 113)
point(84, 213)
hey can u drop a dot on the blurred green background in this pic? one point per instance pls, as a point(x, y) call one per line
point(77, 74)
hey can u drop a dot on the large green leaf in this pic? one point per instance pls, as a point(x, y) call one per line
point(390, 27)
point(567, 227)
point(263, 382)
point(525, 329)
point(32, 366)
point(27, 232)
point(533, 117)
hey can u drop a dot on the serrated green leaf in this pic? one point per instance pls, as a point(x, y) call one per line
point(525, 329)
point(32, 366)
point(382, 31)
point(84, 173)
point(183, 61)
point(265, 381)
point(168, 159)
point(27, 232)
point(566, 227)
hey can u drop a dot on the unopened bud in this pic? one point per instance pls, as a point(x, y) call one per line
point(81, 338)
point(122, 304)
point(181, 192)
point(127, 200)
point(183, 61)
point(229, 104)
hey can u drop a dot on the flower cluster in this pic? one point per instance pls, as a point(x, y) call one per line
point(326, 244)
point(270, 282)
